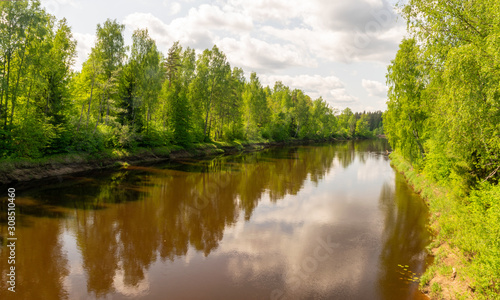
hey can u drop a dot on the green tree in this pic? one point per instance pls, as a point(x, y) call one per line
point(256, 112)
point(208, 88)
point(280, 105)
point(323, 122)
point(110, 51)
point(175, 92)
point(146, 61)
point(300, 113)
point(362, 126)
point(406, 113)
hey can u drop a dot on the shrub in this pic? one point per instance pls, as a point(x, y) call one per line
point(32, 137)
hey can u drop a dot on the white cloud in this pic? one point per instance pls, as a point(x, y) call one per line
point(324, 44)
point(138, 290)
point(54, 6)
point(175, 8)
point(265, 10)
point(271, 37)
point(84, 45)
point(258, 55)
point(335, 30)
point(374, 88)
point(341, 46)
point(300, 223)
point(158, 30)
point(211, 16)
point(344, 15)
point(197, 30)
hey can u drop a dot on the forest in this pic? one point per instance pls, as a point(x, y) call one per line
point(136, 96)
point(443, 117)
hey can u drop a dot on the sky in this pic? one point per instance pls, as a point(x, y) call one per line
point(336, 49)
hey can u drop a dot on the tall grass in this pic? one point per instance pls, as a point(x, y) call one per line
point(469, 223)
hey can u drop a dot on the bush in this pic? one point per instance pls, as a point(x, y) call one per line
point(126, 138)
point(154, 138)
point(6, 147)
point(61, 143)
point(437, 165)
point(32, 137)
point(480, 237)
point(87, 141)
point(278, 132)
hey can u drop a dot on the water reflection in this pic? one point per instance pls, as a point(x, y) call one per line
point(405, 238)
point(238, 227)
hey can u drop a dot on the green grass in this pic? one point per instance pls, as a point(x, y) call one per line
point(10, 164)
point(114, 157)
point(427, 276)
point(469, 223)
point(436, 288)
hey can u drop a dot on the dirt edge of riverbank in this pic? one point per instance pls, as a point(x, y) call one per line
point(26, 170)
point(444, 278)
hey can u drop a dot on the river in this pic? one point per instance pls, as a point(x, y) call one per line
point(327, 221)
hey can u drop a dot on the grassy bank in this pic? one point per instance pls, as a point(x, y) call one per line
point(466, 245)
point(22, 169)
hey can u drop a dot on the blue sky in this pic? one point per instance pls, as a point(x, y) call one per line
point(336, 49)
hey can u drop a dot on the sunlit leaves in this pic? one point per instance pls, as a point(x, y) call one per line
point(444, 85)
point(406, 111)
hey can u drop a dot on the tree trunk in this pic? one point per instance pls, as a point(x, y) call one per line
point(14, 96)
point(417, 139)
point(99, 116)
point(47, 104)
point(107, 113)
point(7, 90)
point(147, 120)
point(208, 107)
point(133, 115)
point(90, 99)
point(29, 96)
point(2, 87)
point(80, 120)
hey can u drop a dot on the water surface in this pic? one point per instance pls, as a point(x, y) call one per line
point(331, 221)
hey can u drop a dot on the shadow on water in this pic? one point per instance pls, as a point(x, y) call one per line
point(405, 238)
point(123, 222)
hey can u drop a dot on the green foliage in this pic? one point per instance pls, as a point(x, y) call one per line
point(443, 115)
point(122, 101)
point(437, 165)
point(32, 137)
point(146, 62)
point(406, 111)
point(480, 237)
point(256, 110)
point(6, 146)
point(87, 140)
point(62, 140)
point(362, 127)
point(174, 91)
point(435, 288)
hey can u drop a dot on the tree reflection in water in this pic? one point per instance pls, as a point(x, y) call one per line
point(405, 238)
point(125, 221)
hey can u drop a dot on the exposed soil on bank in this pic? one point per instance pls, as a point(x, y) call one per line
point(26, 170)
point(445, 277)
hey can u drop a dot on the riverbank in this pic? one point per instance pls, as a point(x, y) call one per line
point(464, 265)
point(17, 170)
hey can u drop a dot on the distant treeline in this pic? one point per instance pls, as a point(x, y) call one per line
point(136, 96)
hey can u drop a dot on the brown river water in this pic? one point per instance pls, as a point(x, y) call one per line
point(328, 221)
